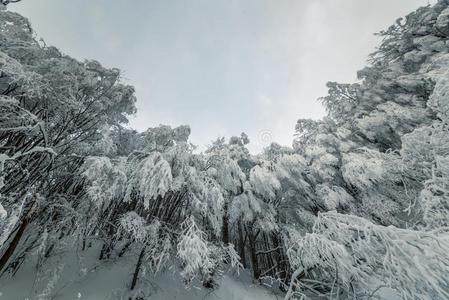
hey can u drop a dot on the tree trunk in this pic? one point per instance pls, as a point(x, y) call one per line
point(15, 242)
point(252, 249)
point(241, 244)
point(279, 257)
point(137, 270)
point(104, 250)
point(225, 228)
point(124, 249)
point(269, 258)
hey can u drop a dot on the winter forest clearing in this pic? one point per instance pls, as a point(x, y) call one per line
point(357, 208)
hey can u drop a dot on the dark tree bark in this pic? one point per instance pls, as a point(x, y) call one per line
point(137, 269)
point(6, 2)
point(225, 228)
point(253, 254)
point(241, 244)
point(15, 241)
point(124, 249)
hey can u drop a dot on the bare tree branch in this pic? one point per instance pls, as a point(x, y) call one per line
point(6, 2)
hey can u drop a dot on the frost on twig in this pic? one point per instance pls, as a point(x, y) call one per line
point(356, 255)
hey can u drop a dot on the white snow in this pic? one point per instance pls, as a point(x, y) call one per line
point(111, 279)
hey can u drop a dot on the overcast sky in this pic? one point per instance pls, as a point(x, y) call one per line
point(221, 66)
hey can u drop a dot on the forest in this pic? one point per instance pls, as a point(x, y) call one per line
point(356, 208)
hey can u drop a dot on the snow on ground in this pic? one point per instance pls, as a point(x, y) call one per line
point(83, 277)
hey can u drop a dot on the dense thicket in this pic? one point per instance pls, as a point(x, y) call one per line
point(359, 203)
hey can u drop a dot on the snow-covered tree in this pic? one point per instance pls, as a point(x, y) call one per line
point(349, 256)
point(194, 252)
point(356, 208)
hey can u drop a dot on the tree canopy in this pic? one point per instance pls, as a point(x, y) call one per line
point(359, 203)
